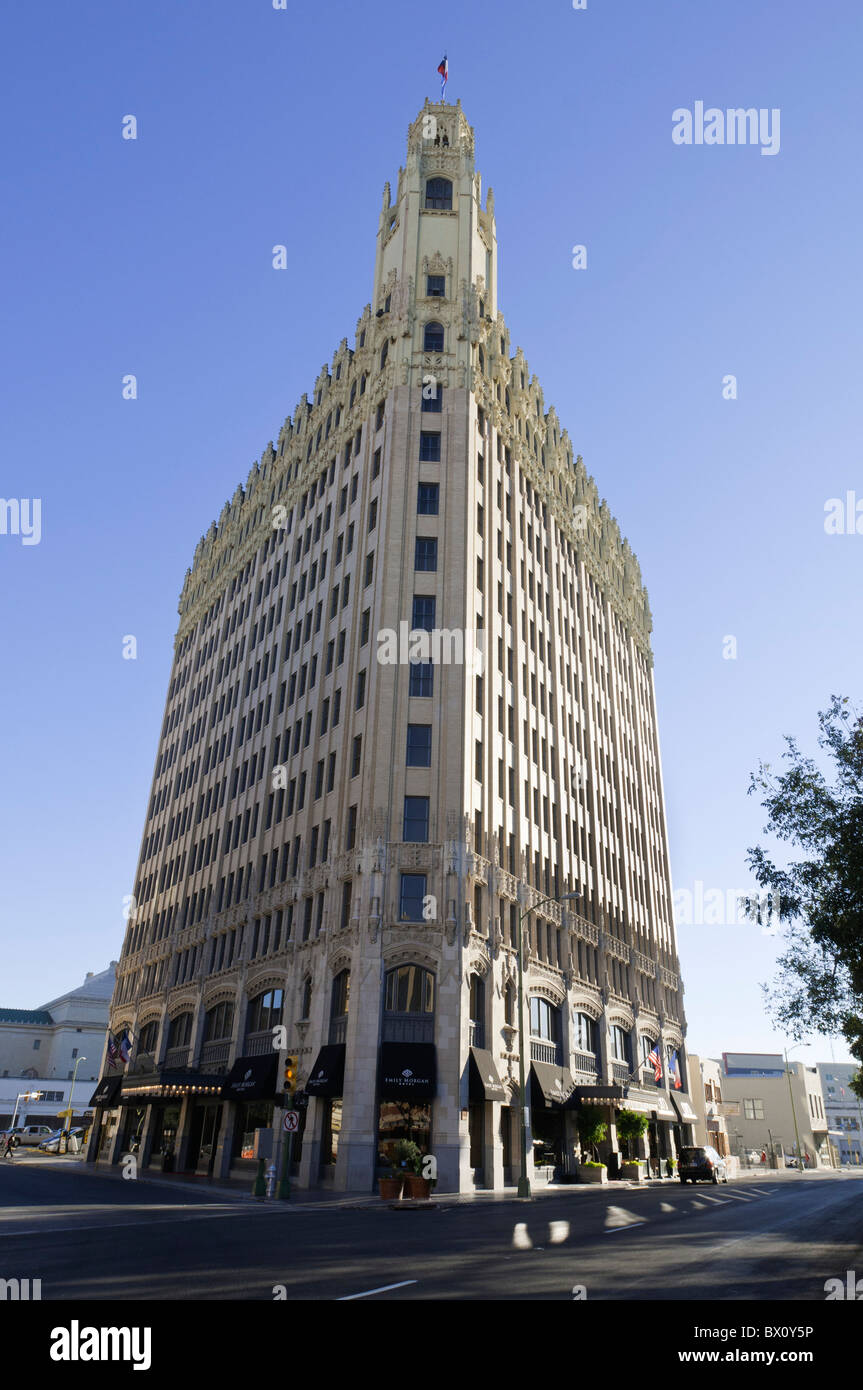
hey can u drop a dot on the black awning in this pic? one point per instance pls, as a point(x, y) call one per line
point(599, 1095)
point(327, 1076)
point(408, 1071)
point(550, 1085)
point(107, 1091)
point(252, 1078)
point(483, 1080)
point(683, 1107)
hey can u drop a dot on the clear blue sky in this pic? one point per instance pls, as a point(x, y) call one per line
point(153, 257)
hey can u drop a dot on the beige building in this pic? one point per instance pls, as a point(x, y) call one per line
point(44, 1050)
point(757, 1086)
point(345, 824)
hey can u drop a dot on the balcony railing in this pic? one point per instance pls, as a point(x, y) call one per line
point(258, 1044)
point(408, 1028)
point(584, 1062)
point(214, 1056)
point(620, 1073)
point(176, 1057)
point(545, 1052)
point(477, 1035)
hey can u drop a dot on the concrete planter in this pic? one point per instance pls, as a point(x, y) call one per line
point(588, 1173)
point(390, 1189)
point(632, 1170)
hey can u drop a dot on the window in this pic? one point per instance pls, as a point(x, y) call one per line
point(435, 284)
point(421, 680)
point(430, 446)
point(373, 514)
point(180, 1031)
point(306, 1004)
point(419, 745)
point(412, 891)
point(426, 553)
point(427, 499)
point(753, 1109)
point(544, 1020)
point(356, 755)
point(351, 831)
point(432, 396)
point(361, 690)
point(341, 987)
point(409, 990)
point(423, 613)
point(265, 1011)
point(433, 337)
point(219, 1022)
point(619, 1044)
point(439, 194)
point(415, 828)
point(584, 1033)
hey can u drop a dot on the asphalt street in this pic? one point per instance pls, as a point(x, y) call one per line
point(86, 1236)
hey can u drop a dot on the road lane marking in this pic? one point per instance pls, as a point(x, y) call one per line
point(385, 1288)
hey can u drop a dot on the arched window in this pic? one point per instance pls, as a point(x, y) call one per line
point(219, 1021)
point(353, 395)
point(306, 1002)
point(509, 996)
point(265, 1011)
point(384, 351)
point(477, 1012)
point(544, 1020)
point(584, 1033)
point(148, 1037)
point(180, 1031)
point(339, 1002)
point(433, 337)
point(363, 380)
point(439, 193)
point(409, 1004)
point(619, 1043)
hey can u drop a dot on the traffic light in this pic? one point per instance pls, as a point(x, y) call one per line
point(292, 1063)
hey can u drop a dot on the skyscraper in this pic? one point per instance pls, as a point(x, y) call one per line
point(411, 700)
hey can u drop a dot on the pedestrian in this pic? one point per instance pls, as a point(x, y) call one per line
point(9, 1142)
point(763, 1155)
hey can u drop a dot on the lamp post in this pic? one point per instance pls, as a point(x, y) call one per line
point(793, 1109)
point(25, 1095)
point(524, 1182)
point(67, 1113)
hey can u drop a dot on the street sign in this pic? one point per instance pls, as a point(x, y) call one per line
point(291, 1122)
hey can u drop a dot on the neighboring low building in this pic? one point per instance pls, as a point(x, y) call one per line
point(844, 1110)
point(39, 1049)
point(759, 1081)
point(705, 1089)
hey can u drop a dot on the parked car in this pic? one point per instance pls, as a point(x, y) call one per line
point(33, 1134)
point(702, 1164)
point(53, 1145)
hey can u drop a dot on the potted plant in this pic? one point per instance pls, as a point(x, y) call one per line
point(390, 1186)
point(408, 1160)
point(419, 1180)
point(631, 1127)
point(592, 1130)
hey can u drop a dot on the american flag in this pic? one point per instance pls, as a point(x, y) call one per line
point(113, 1052)
point(443, 69)
point(654, 1060)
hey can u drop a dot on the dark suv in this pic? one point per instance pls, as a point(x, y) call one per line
point(701, 1165)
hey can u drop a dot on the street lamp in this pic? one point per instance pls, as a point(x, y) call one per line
point(25, 1095)
point(793, 1108)
point(524, 1182)
point(67, 1113)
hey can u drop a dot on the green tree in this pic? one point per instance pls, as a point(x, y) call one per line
point(819, 987)
point(630, 1127)
point(592, 1129)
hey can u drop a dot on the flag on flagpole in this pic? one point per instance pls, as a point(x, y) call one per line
point(126, 1045)
point(655, 1061)
point(443, 69)
point(113, 1053)
point(674, 1071)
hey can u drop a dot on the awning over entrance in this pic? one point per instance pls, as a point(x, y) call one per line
point(167, 1085)
point(327, 1076)
point(652, 1103)
point(684, 1109)
point(483, 1080)
point(599, 1095)
point(107, 1091)
point(550, 1085)
point(408, 1071)
point(251, 1078)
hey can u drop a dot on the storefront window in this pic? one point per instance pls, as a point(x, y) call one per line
point(133, 1125)
point(255, 1114)
point(332, 1130)
point(165, 1133)
point(399, 1120)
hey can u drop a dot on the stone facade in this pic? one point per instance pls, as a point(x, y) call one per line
point(318, 808)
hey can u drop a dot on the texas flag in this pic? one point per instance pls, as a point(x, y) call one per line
point(443, 69)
